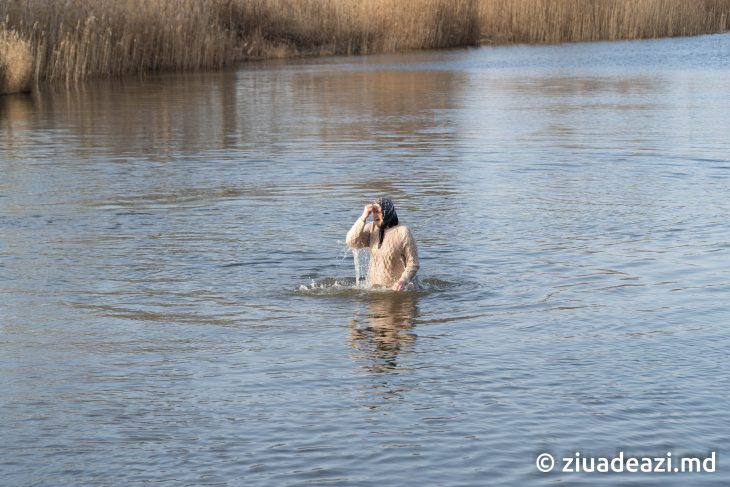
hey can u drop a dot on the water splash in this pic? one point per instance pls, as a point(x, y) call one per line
point(347, 286)
point(360, 259)
point(356, 261)
point(358, 269)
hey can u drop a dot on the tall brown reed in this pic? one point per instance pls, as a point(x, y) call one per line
point(15, 63)
point(352, 26)
point(582, 20)
point(74, 39)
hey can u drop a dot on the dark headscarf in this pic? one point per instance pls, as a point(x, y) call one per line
point(390, 218)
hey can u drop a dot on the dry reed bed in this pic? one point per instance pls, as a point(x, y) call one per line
point(71, 40)
point(75, 39)
point(15, 62)
point(505, 21)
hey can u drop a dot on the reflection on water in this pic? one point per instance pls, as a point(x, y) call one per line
point(171, 114)
point(387, 331)
point(178, 304)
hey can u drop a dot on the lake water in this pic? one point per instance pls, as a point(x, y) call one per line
point(177, 302)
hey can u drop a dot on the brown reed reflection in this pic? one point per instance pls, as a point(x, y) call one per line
point(15, 114)
point(156, 117)
point(165, 114)
point(384, 105)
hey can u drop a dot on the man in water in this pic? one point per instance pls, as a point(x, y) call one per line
point(393, 253)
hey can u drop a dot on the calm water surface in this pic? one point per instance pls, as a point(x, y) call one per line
point(176, 297)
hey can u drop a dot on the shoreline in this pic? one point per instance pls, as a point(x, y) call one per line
point(239, 64)
point(74, 40)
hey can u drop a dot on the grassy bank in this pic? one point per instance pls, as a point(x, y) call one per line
point(71, 40)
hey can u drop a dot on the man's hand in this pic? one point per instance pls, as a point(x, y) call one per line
point(398, 286)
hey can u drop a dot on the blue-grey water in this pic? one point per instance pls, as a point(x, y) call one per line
point(177, 302)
